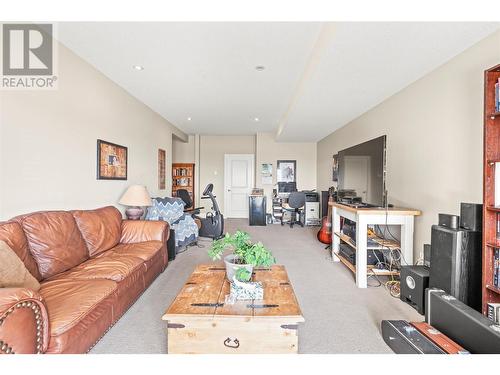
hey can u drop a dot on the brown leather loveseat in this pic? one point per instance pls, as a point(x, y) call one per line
point(91, 265)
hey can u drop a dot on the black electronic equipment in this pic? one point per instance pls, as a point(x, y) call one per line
point(471, 216)
point(171, 245)
point(456, 263)
point(257, 210)
point(311, 196)
point(427, 254)
point(403, 338)
point(351, 200)
point(349, 229)
point(414, 281)
point(449, 221)
point(345, 193)
point(287, 187)
point(461, 323)
point(373, 256)
point(362, 169)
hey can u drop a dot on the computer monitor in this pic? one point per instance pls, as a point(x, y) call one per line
point(287, 187)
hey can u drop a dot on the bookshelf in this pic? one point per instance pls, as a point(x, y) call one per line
point(491, 210)
point(183, 178)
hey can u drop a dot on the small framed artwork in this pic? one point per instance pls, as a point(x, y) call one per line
point(286, 170)
point(267, 174)
point(111, 161)
point(335, 168)
point(161, 169)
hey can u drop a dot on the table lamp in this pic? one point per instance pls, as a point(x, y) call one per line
point(135, 197)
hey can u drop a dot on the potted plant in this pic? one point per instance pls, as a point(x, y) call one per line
point(245, 255)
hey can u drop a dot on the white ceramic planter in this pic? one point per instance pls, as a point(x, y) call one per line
point(232, 267)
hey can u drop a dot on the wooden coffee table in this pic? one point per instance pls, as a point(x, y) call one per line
point(199, 320)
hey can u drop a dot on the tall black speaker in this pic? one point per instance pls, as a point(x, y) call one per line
point(471, 216)
point(171, 245)
point(456, 263)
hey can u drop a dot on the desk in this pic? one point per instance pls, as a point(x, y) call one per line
point(371, 216)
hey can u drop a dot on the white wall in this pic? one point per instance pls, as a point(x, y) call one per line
point(212, 150)
point(270, 151)
point(48, 142)
point(183, 152)
point(434, 131)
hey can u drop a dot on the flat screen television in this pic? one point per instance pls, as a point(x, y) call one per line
point(362, 168)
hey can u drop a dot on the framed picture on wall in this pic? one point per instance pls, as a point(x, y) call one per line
point(335, 168)
point(162, 169)
point(267, 174)
point(111, 161)
point(286, 170)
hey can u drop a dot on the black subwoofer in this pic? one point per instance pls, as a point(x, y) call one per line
point(414, 281)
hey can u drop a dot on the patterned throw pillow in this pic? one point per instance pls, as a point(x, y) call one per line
point(13, 272)
point(166, 209)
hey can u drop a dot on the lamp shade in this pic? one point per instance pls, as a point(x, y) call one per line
point(136, 195)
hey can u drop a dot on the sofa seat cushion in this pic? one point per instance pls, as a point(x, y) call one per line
point(144, 250)
point(70, 301)
point(108, 266)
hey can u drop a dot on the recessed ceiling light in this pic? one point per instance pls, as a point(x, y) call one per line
point(260, 68)
point(256, 119)
point(138, 67)
point(189, 118)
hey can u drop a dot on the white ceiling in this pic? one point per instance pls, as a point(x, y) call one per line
point(317, 77)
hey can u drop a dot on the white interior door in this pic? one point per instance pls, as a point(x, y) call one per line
point(357, 175)
point(238, 183)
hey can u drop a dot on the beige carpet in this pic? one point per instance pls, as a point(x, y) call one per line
point(340, 318)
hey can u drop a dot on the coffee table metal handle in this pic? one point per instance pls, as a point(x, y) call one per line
point(229, 343)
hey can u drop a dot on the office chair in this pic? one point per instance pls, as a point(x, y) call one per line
point(186, 198)
point(296, 203)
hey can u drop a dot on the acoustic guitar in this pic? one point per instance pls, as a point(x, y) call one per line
point(325, 233)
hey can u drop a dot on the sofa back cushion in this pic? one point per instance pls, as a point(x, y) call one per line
point(101, 228)
point(12, 234)
point(54, 240)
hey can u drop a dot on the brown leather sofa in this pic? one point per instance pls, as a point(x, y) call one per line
point(91, 265)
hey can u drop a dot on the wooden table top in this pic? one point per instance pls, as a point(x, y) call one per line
point(377, 210)
point(205, 291)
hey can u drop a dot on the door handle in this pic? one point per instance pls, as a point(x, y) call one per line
point(228, 189)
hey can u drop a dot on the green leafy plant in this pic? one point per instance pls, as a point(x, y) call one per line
point(242, 274)
point(246, 251)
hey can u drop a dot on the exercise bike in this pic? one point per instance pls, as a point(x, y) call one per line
point(212, 225)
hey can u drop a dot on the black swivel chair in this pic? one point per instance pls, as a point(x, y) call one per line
point(296, 203)
point(188, 202)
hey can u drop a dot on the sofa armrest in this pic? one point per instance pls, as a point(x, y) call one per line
point(24, 324)
point(134, 231)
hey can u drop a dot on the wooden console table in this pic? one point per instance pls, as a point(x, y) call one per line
point(371, 216)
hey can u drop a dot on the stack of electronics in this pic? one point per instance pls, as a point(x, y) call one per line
point(452, 262)
point(374, 256)
point(348, 196)
point(448, 289)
